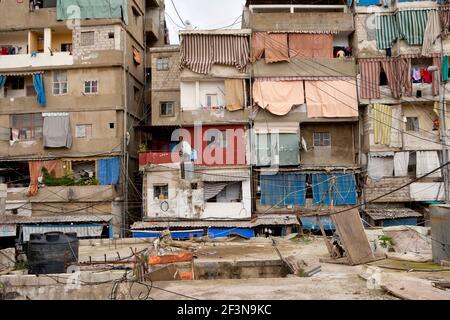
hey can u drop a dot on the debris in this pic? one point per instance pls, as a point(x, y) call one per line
point(187, 275)
point(291, 236)
point(287, 263)
point(441, 284)
point(181, 257)
point(409, 288)
point(352, 236)
point(166, 273)
point(7, 258)
point(311, 271)
point(409, 239)
point(410, 256)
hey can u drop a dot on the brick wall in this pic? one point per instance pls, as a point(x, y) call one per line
point(169, 79)
point(102, 40)
point(377, 188)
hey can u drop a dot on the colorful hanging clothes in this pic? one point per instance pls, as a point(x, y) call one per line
point(426, 76)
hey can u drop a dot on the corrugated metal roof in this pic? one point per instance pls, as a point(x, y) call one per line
point(391, 213)
point(223, 175)
point(275, 220)
point(13, 219)
point(191, 224)
point(238, 32)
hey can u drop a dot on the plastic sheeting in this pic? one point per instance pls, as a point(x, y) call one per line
point(38, 82)
point(381, 164)
point(56, 131)
point(321, 189)
point(401, 161)
point(345, 189)
point(427, 161)
point(283, 189)
point(83, 231)
point(278, 97)
point(92, 9)
point(109, 171)
point(331, 99)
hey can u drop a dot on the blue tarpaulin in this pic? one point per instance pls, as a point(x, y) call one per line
point(400, 222)
point(38, 82)
point(345, 189)
point(321, 186)
point(283, 189)
point(109, 171)
point(2, 81)
point(364, 3)
point(225, 232)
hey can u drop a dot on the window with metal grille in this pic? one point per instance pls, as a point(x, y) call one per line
point(26, 127)
point(87, 38)
point(84, 131)
point(162, 64)
point(60, 83)
point(167, 108)
point(412, 124)
point(322, 139)
point(161, 191)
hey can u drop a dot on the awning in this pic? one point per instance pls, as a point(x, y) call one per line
point(391, 213)
point(142, 225)
point(20, 74)
point(83, 231)
point(8, 230)
point(229, 175)
point(276, 127)
point(60, 218)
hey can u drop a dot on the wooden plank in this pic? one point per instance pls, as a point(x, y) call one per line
point(352, 236)
point(327, 242)
point(410, 288)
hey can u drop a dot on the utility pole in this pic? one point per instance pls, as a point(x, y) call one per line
point(3, 195)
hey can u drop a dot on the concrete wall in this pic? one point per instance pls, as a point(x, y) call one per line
point(342, 151)
point(185, 202)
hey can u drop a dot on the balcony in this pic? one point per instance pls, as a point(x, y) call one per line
point(39, 60)
point(299, 17)
point(158, 157)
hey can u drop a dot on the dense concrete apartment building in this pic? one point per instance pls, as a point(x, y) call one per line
point(401, 99)
point(72, 90)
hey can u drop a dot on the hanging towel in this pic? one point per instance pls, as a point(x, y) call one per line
point(56, 131)
point(234, 94)
point(38, 82)
point(278, 97)
point(401, 161)
point(382, 123)
point(427, 161)
point(109, 171)
point(432, 32)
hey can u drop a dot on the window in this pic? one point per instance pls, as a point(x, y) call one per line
point(111, 125)
point(161, 192)
point(59, 83)
point(26, 127)
point(66, 47)
point(136, 94)
point(211, 100)
point(110, 35)
point(213, 135)
point(16, 83)
point(91, 87)
point(87, 38)
point(167, 109)
point(223, 192)
point(412, 124)
point(322, 139)
point(162, 64)
point(84, 131)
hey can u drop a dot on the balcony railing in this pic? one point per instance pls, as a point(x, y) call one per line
point(35, 60)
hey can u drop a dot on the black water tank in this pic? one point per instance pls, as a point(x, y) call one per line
point(52, 252)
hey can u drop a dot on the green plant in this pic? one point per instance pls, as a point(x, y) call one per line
point(142, 147)
point(386, 241)
point(51, 180)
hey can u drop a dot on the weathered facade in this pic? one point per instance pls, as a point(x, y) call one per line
point(72, 89)
point(399, 81)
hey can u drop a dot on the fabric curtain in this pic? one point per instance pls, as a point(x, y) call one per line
point(370, 79)
point(380, 165)
point(386, 31)
point(404, 75)
point(401, 162)
point(444, 68)
point(390, 67)
point(435, 80)
point(427, 161)
point(92, 9)
point(231, 193)
point(278, 97)
point(35, 168)
point(234, 94)
point(258, 46)
point(272, 192)
point(331, 99)
point(108, 171)
point(276, 47)
point(38, 82)
point(382, 123)
point(200, 52)
point(444, 16)
point(321, 189)
point(345, 189)
point(2, 81)
point(212, 189)
point(432, 32)
point(412, 25)
point(283, 189)
point(307, 45)
point(56, 132)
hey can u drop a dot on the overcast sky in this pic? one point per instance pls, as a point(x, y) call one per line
point(203, 14)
